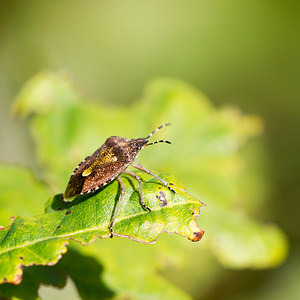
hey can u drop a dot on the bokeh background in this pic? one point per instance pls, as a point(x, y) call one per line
point(242, 53)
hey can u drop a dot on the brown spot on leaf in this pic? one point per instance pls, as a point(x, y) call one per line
point(197, 235)
point(162, 198)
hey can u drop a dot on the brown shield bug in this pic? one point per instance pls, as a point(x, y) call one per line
point(106, 164)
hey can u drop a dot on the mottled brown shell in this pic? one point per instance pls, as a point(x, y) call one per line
point(104, 165)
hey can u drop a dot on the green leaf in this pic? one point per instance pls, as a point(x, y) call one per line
point(21, 193)
point(205, 153)
point(86, 273)
point(133, 270)
point(42, 239)
point(251, 242)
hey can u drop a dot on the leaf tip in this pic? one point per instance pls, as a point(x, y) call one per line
point(64, 250)
point(197, 235)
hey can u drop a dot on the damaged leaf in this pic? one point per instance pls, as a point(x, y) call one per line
point(43, 239)
point(205, 153)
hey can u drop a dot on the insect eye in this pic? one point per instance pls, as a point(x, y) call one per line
point(138, 144)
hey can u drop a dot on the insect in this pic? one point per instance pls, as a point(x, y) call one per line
point(107, 163)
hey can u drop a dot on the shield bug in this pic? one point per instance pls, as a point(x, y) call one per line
point(107, 163)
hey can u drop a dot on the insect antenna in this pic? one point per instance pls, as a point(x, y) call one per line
point(160, 141)
point(158, 128)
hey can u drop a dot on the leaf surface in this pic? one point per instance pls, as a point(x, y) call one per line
point(205, 153)
point(42, 239)
point(21, 193)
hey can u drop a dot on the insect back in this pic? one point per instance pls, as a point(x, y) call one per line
point(103, 166)
point(107, 163)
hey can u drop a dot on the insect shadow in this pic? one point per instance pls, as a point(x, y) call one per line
point(85, 271)
point(58, 202)
point(135, 189)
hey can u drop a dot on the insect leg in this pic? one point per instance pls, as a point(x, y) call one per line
point(149, 172)
point(138, 162)
point(140, 187)
point(118, 206)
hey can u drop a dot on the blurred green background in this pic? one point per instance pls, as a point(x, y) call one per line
point(242, 53)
